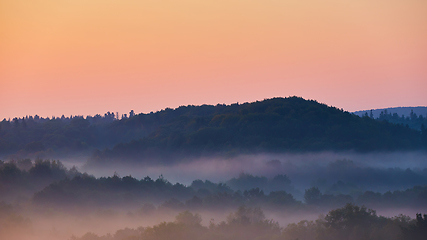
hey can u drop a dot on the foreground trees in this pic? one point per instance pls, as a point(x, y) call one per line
point(350, 222)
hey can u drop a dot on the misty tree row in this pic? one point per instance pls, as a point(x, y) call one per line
point(49, 183)
point(107, 192)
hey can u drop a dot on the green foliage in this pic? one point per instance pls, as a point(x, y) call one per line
point(272, 125)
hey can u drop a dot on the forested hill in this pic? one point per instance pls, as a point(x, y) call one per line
point(272, 125)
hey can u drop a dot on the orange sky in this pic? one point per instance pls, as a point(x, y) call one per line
point(80, 57)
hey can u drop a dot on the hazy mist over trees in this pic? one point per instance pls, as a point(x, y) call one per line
point(49, 184)
point(45, 189)
point(282, 168)
point(348, 222)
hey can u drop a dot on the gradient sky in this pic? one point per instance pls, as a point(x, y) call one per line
point(82, 57)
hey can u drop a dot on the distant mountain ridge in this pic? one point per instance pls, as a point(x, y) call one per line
point(413, 117)
point(406, 111)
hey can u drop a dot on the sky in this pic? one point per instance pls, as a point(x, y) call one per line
point(80, 57)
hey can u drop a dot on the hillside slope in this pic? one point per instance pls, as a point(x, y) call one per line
point(273, 125)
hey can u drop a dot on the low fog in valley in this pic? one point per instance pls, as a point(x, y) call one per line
point(26, 214)
point(304, 170)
